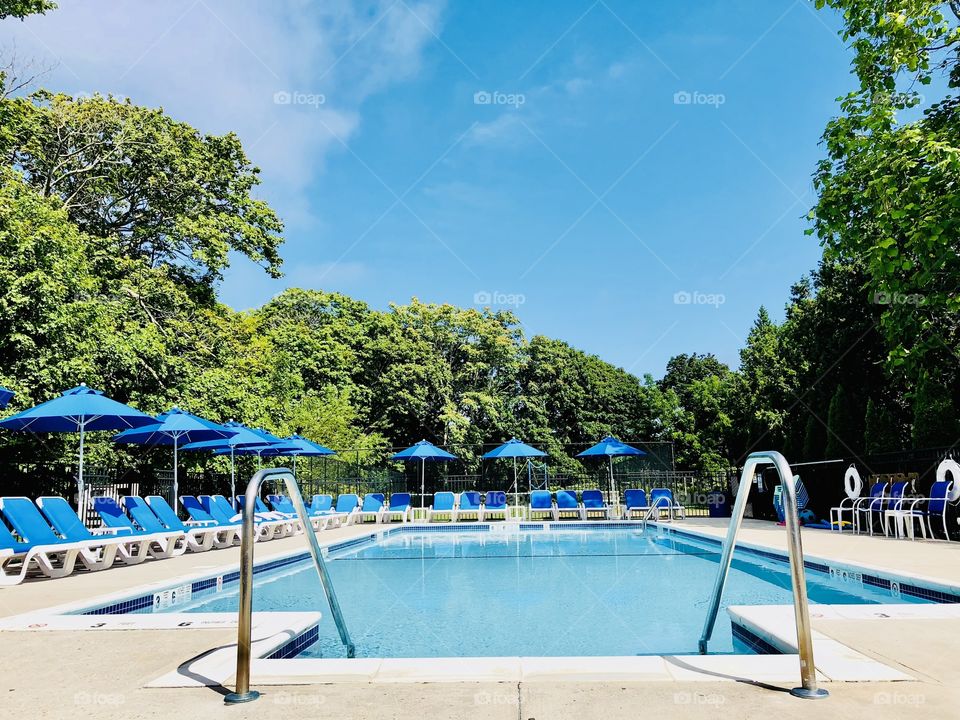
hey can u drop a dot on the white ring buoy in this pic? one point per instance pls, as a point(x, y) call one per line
point(852, 483)
point(953, 467)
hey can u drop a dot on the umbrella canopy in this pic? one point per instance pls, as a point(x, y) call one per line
point(303, 446)
point(423, 451)
point(175, 427)
point(294, 446)
point(244, 438)
point(513, 448)
point(5, 397)
point(78, 410)
point(610, 448)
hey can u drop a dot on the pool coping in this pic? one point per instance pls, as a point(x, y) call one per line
point(279, 633)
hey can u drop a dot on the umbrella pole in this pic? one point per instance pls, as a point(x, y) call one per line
point(233, 481)
point(175, 471)
point(614, 500)
point(83, 427)
point(516, 487)
point(423, 482)
point(294, 465)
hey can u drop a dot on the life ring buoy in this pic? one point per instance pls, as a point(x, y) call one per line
point(949, 465)
point(852, 483)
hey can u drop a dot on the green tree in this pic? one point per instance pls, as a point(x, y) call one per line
point(814, 439)
point(935, 422)
point(881, 433)
point(843, 420)
point(21, 8)
point(887, 188)
point(151, 187)
point(766, 389)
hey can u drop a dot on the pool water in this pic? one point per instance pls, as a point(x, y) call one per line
point(540, 593)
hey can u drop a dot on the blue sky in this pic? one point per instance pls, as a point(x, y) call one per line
point(629, 177)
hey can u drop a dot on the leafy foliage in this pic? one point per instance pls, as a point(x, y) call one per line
point(21, 8)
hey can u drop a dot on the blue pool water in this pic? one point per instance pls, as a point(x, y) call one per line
point(592, 592)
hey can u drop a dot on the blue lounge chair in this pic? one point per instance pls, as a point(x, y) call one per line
point(164, 544)
point(874, 503)
point(284, 508)
point(495, 503)
point(933, 506)
point(321, 504)
point(372, 508)
point(592, 502)
point(662, 499)
point(399, 507)
point(568, 504)
point(221, 537)
point(635, 501)
point(198, 514)
point(894, 502)
point(17, 559)
point(469, 504)
point(348, 505)
point(41, 548)
point(267, 528)
point(197, 539)
point(541, 502)
point(444, 503)
point(261, 511)
point(58, 512)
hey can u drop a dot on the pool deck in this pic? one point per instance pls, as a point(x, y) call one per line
point(80, 674)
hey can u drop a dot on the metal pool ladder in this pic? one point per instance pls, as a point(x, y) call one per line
point(243, 693)
point(801, 610)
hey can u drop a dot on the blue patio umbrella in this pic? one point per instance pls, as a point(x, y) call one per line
point(173, 428)
point(5, 397)
point(610, 448)
point(424, 452)
point(244, 438)
point(271, 443)
point(77, 410)
point(513, 448)
point(297, 445)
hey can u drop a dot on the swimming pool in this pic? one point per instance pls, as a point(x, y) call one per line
point(486, 591)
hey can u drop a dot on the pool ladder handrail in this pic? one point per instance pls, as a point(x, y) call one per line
point(655, 508)
point(801, 609)
point(243, 693)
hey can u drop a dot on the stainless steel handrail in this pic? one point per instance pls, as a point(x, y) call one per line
point(243, 693)
point(801, 610)
point(655, 508)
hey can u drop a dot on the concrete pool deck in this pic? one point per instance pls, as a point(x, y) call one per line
point(62, 673)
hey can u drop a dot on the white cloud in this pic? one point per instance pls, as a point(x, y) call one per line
point(290, 78)
point(506, 129)
point(218, 65)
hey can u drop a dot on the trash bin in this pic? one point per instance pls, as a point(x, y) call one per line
point(719, 503)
